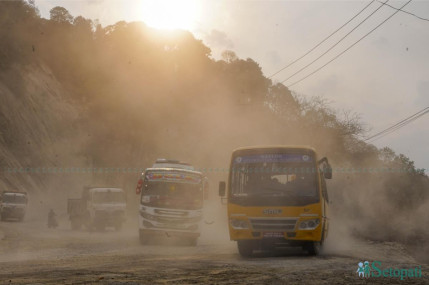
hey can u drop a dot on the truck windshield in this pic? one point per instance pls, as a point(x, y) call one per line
point(173, 195)
point(14, 198)
point(274, 179)
point(108, 197)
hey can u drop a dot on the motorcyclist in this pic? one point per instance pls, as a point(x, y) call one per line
point(52, 221)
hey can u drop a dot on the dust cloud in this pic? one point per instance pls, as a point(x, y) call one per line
point(122, 98)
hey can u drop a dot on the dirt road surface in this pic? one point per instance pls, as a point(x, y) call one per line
point(32, 254)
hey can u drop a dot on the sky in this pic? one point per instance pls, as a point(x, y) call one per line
point(384, 78)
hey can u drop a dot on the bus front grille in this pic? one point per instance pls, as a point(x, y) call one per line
point(273, 224)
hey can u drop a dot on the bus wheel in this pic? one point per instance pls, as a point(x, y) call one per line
point(313, 248)
point(245, 247)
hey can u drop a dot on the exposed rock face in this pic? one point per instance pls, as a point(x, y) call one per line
point(35, 121)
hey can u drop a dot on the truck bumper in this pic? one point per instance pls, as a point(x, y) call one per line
point(109, 218)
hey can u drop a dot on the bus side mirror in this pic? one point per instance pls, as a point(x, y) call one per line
point(326, 168)
point(222, 187)
point(327, 172)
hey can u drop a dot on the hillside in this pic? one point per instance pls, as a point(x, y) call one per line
point(35, 124)
point(76, 94)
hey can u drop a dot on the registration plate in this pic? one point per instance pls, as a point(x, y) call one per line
point(273, 235)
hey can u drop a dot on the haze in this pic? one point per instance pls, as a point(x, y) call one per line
point(384, 78)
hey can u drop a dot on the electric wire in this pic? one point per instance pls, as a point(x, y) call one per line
point(337, 56)
point(400, 122)
point(397, 126)
point(421, 18)
point(325, 39)
point(328, 50)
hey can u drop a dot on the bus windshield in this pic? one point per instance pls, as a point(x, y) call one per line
point(173, 191)
point(271, 179)
point(14, 198)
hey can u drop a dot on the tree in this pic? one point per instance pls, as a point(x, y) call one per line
point(82, 23)
point(83, 28)
point(282, 103)
point(229, 56)
point(60, 15)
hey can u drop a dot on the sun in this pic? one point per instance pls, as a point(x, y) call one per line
point(169, 14)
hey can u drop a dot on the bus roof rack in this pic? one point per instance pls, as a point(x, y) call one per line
point(172, 163)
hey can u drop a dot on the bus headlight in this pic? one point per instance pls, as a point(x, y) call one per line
point(309, 224)
point(239, 224)
point(147, 216)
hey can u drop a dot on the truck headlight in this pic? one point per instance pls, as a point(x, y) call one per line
point(309, 224)
point(239, 224)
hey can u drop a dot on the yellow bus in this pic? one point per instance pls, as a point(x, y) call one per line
point(277, 197)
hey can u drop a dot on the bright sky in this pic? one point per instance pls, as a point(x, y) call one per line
point(384, 78)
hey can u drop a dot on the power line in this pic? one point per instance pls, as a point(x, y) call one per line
point(398, 125)
point(421, 18)
point(363, 21)
point(325, 39)
point(337, 56)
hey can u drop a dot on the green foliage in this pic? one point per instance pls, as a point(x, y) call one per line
point(60, 15)
point(19, 23)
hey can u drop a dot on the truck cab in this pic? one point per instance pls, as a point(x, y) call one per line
point(13, 205)
point(171, 201)
point(99, 207)
point(277, 197)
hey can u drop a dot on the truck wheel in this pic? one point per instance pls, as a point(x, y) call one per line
point(245, 248)
point(313, 248)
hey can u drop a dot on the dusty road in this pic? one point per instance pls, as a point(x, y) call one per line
point(32, 254)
